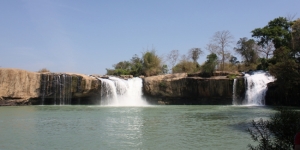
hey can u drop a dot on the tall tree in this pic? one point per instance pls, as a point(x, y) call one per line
point(219, 45)
point(194, 54)
point(296, 38)
point(172, 57)
point(285, 64)
point(267, 49)
point(210, 64)
point(277, 31)
point(248, 50)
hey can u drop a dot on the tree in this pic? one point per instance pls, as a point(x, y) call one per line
point(219, 45)
point(172, 57)
point(136, 66)
point(277, 31)
point(122, 65)
point(185, 66)
point(248, 50)
point(151, 63)
point(233, 60)
point(210, 64)
point(296, 38)
point(267, 49)
point(194, 54)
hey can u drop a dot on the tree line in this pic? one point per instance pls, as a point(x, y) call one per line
point(274, 47)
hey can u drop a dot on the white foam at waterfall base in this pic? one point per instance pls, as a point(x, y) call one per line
point(119, 92)
point(256, 87)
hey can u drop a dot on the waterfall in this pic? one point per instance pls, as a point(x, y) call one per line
point(119, 92)
point(57, 87)
point(234, 97)
point(256, 84)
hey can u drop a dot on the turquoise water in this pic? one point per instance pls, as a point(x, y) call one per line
point(153, 127)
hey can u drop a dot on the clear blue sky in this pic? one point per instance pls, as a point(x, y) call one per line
point(89, 36)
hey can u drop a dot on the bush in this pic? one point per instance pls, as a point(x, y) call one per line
point(186, 67)
point(151, 63)
point(277, 133)
point(43, 70)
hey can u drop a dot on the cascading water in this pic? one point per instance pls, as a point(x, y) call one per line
point(58, 87)
point(234, 99)
point(108, 92)
point(119, 92)
point(256, 84)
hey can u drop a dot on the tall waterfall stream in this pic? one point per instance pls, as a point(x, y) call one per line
point(119, 92)
point(256, 87)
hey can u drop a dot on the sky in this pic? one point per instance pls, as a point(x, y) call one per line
point(88, 36)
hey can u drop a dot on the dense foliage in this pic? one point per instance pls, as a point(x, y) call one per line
point(149, 64)
point(210, 64)
point(285, 64)
point(248, 49)
point(277, 133)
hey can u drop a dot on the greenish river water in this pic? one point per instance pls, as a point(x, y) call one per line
point(114, 128)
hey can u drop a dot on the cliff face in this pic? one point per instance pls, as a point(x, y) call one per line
point(19, 87)
point(180, 89)
point(18, 84)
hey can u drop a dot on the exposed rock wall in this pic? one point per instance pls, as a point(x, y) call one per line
point(19, 87)
point(19, 84)
point(179, 89)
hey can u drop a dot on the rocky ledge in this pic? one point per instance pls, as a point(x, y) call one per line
point(20, 87)
point(181, 89)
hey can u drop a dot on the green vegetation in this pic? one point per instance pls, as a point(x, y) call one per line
point(277, 133)
point(248, 49)
point(285, 64)
point(186, 66)
point(43, 70)
point(231, 76)
point(148, 65)
point(162, 84)
point(195, 53)
point(151, 64)
point(210, 65)
point(274, 47)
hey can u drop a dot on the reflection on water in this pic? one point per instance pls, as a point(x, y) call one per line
point(153, 127)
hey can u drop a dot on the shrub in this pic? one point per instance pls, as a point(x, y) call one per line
point(277, 133)
point(43, 70)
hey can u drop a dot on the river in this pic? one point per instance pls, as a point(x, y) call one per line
point(148, 127)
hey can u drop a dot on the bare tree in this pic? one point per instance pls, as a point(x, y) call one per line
point(267, 49)
point(290, 17)
point(194, 54)
point(172, 57)
point(219, 44)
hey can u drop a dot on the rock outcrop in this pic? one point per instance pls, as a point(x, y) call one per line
point(180, 89)
point(16, 83)
point(20, 87)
